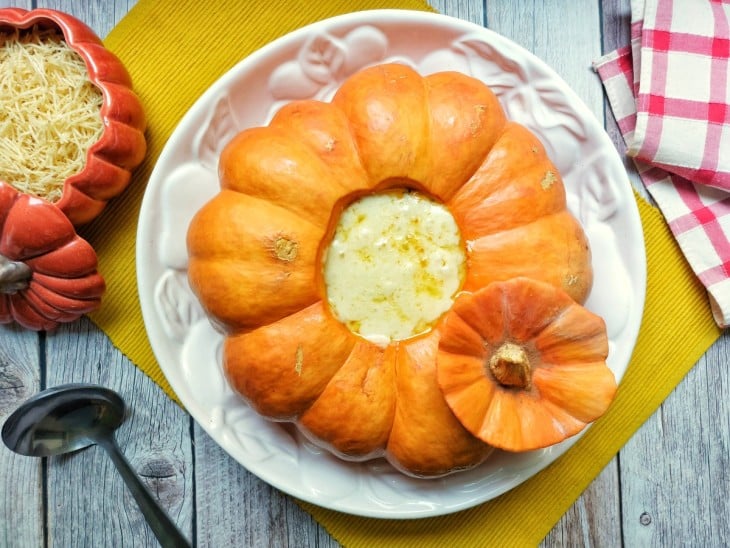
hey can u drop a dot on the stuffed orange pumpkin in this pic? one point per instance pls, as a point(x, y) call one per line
point(341, 236)
point(47, 128)
point(48, 273)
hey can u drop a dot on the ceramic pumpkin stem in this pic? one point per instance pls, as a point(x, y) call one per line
point(510, 366)
point(14, 276)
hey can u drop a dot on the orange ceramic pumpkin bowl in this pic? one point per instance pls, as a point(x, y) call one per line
point(427, 403)
point(122, 145)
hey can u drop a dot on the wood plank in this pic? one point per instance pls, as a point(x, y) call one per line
point(467, 10)
point(234, 507)
point(562, 33)
point(21, 478)
point(88, 503)
point(674, 470)
point(592, 520)
point(100, 16)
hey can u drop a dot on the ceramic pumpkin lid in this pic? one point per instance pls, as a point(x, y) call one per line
point(48, 274)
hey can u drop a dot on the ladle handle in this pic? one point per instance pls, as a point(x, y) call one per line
point(165, 530)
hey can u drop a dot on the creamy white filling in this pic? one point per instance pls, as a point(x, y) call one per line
point(394, 265)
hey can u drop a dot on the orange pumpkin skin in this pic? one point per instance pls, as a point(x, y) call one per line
point(251, 246)
point(387, 127)
point(48, 274)
point(513, 210)
point(122, 146)
point(426, 439)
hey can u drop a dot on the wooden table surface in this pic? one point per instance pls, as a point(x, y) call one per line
point(668, 486)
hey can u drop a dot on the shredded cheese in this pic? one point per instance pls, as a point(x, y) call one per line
point(49, 111)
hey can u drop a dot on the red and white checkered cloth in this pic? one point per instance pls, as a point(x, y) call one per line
point(670, 94)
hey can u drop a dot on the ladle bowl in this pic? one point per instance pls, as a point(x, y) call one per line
point(70, 417)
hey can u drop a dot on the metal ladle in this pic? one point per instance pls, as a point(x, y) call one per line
point(74, 416)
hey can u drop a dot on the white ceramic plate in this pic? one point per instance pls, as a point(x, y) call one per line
point(312, 62)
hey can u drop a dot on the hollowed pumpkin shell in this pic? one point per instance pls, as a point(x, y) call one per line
point(48, 274)
point(283, 188)
point(122, 146)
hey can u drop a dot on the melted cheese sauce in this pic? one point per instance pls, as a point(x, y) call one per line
point(394, 265)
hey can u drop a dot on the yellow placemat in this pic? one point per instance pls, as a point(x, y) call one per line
point(175, 49)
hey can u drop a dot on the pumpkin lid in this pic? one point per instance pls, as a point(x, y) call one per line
point(120, 144)
point(48, 274)
point(522, 365)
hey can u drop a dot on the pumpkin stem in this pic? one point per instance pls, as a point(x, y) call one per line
point(511, 366)
point(14, 275)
